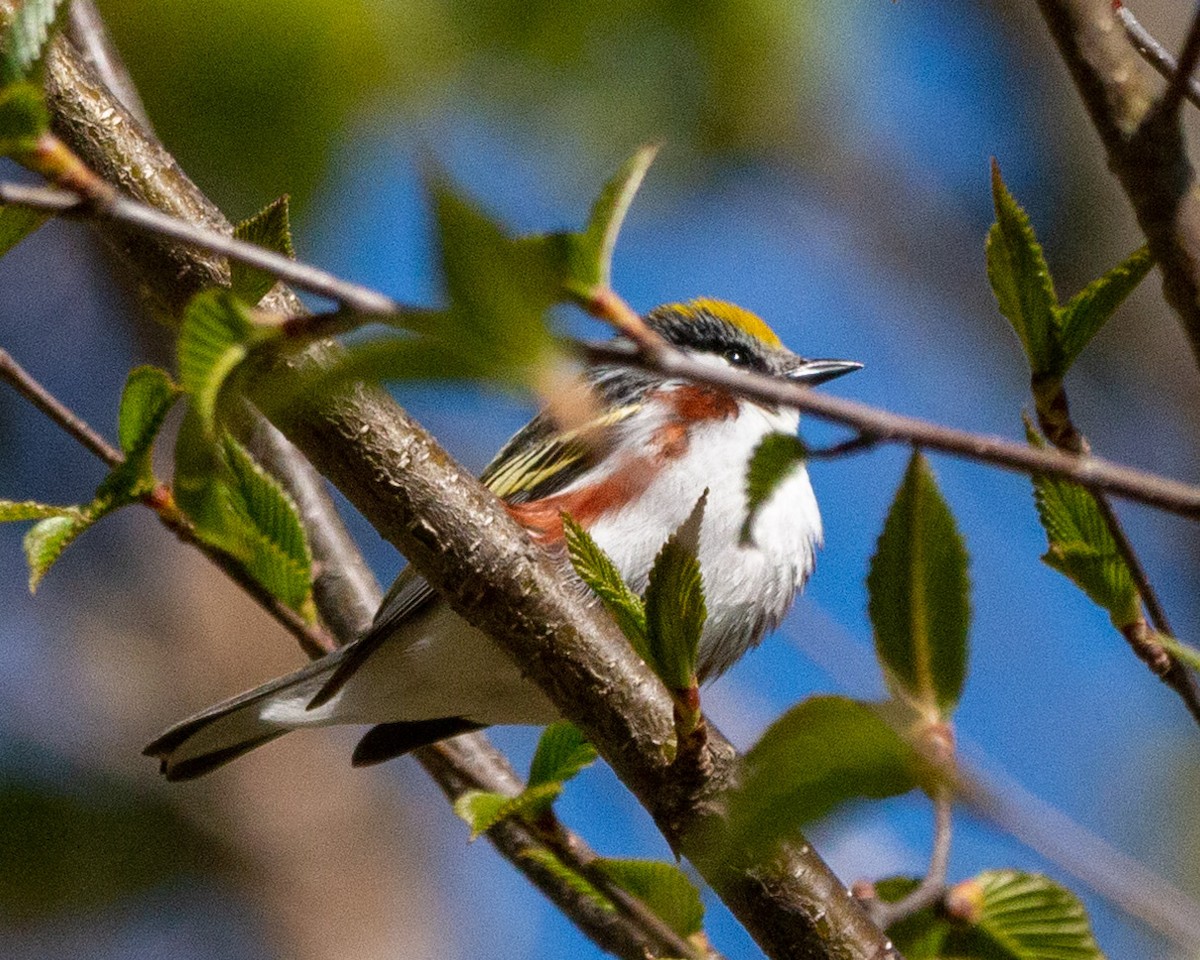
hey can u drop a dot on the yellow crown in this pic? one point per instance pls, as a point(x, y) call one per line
point(732, 314)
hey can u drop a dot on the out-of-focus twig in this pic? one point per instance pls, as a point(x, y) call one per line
point(1153, 52)
point(90, 35)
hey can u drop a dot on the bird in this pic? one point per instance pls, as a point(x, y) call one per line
point(631, 475)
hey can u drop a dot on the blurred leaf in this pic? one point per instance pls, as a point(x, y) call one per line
point(199, 487)
point(1086, 312)
point(482, 810)
point(68, 855)
point(271, 228)
point(1012, 916)
point(594, 568)
point(1082, 547)
point(47, 539)
point(24, 43)
point(277, 553)
point(12, 511)
point(561, 753)
point(1184, 652)
point(499, 290)
point(567, 876)
point(16, 223)
point(674, 603)
point(1020, 279)
point(919, 594)
point(23, 118)
point(216, 336)
point(662, 887)
point(772, 462)
point(821, 754)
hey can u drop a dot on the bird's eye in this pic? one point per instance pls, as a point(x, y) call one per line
point(737, 356)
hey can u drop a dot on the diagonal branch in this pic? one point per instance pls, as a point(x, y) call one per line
point(874, 425)
point(459, 535)
point(1153, 52)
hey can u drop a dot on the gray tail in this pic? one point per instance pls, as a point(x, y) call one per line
point(213, 737)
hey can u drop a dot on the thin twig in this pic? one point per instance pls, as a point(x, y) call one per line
point(1179, 83)
point(932, 887)
point(882, 426)
point(877, 425)
point(130, 212)
point(312, 638)
point(1153, 52)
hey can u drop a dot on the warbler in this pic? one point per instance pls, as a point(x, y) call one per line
point(630, 478)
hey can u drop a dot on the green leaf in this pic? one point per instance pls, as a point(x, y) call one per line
point(277, 553)
point(47, 539)
point(1086, 312)
point(662, 887)
point(674, 600)
point(1081, 545)
point(576, 881)
point(772, 462)
point(270, 228)
point(25, 41)
point(1020, 279)
point(216, 336)
point(23, 118)
point(594, 568)
point(593, 268)
point(482, 809)
point(16, 223)
point(199, 486)
point(1008, 915)
point(561, 753)
point(919, 594)
point(13, 511)
point(147, 399)
point(499, 290)
point(821, 754)
point(1186, 653)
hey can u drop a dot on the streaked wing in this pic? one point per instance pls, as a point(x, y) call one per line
point(535, 463)
point(541, 460)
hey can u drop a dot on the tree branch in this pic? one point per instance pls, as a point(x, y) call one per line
point(874, 425)
point(1153, 52)
point(459, 535)
point(1143, 139)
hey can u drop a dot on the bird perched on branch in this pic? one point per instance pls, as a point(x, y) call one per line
point(630, 478)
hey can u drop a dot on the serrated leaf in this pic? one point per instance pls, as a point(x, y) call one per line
point(47, 539)
point(16, 223)
point(482, 809)
point(662, 887)
point(594, 271)
point(1081, 545)
point(12, 511)
point(1020, 279)
point(145, 402)
point(270, 228)
point(1016, 916)
point(24, 42)
point(820, 755)
point(674, 603)
point(23, 118)
point(772, 462)
point(919, 594)
point(278, 555)
point(561, 753)
point(199, 486)
point(567, 876)
point(1085, 313)
point(216, 336)
point(596, 569)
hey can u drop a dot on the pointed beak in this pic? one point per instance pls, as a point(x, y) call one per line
point(812, 372)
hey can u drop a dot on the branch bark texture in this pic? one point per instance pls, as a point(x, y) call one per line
point(1144, 140)
point(459, 535)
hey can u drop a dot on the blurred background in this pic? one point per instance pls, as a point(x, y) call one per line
point(825, 165)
